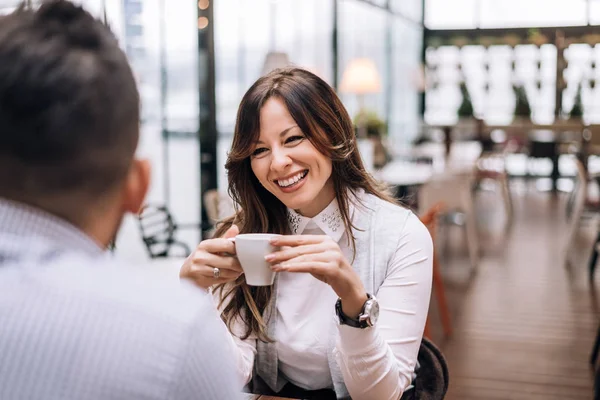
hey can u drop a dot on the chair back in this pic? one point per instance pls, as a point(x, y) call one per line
point(452, 189)
point(575, 206)
point(464, 154)
point(433, 377)
point(211, 205)
point(218, 205)
point(430, 216)
point(158, 231)
point(576, 200)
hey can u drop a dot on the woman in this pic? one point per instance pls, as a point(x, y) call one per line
point(294, 169)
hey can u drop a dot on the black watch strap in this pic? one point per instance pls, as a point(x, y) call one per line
point(346, 320)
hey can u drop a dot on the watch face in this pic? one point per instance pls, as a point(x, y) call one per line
point(372, 311)
point(375, 312)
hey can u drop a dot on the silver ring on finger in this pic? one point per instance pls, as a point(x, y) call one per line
point(216, 273)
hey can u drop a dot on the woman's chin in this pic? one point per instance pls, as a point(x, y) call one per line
point(295, 204)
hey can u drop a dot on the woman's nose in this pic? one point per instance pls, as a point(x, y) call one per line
point(280, 160)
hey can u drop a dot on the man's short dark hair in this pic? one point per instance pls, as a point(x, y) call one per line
point(69, 106)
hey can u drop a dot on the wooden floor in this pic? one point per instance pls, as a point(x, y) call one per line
point(523, 324)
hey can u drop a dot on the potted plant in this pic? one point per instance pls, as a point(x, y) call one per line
point(537, 38)
point(466, 114)
point(576, 112)
point(459, 41)
point(522, 107)
point(370, 135)
point(368, 123)
point(511, 40)
point(465, 110)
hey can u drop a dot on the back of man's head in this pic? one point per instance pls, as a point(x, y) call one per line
point(69, 106)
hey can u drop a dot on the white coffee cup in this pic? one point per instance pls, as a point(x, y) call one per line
point(251, 249)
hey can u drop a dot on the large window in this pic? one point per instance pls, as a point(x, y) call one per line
point(246, 31)
point(249, 36)
point(388, 33)
point(406, 82)
point(466, 14)
point(362, 34)
point(161, 42)
point(392, 39)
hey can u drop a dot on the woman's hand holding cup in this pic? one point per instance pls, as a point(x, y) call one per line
point(213, 262)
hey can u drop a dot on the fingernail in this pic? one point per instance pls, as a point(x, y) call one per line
point(277, 267)
point(269, 257)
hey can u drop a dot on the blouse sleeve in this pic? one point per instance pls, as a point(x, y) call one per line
point(244, 351)
point(379, 362)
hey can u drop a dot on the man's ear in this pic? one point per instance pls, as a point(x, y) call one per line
point(136, 186)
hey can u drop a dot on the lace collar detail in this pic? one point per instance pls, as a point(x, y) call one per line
point(329, 221)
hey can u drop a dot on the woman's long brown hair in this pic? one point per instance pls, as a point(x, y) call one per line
point(323, 119)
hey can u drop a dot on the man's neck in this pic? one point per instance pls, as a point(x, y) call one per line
point(27, 222)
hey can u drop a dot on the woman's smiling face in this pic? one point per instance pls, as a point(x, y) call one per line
point(287, 164)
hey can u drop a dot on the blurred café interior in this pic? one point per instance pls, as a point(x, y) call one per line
point(482, 115)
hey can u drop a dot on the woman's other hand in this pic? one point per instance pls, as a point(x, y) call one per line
point(213, 261)
point(322, 257)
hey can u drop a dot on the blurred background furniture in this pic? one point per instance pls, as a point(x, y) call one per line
point(580, 203)
point(429, 219)
point(492, 166)
point(405, 177)
point(158, 230)
point(593, 204)
point(454, 190)
point(218, 206)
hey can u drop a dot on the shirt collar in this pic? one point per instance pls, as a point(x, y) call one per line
point(29, 222)
point(329, 221)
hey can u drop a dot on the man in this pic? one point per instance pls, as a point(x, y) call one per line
point(73, 323)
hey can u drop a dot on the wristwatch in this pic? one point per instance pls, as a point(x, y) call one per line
point(367, 317)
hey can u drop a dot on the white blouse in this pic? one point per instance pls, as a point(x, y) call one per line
point(384, 355)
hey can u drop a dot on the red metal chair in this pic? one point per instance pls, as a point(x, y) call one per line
point(429, 219)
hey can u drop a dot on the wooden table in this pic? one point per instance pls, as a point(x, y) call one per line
point(405, 177)
point(405, 173)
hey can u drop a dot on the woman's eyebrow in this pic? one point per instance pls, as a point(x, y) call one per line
point(281, 134)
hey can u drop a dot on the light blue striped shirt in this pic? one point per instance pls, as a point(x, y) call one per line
point(74, 324)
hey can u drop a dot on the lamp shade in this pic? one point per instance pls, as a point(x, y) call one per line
point(274, 60)
point(361, 77)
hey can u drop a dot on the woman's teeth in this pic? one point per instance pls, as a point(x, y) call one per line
point(292, 180)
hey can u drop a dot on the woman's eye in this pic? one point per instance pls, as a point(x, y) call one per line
point(258, 151)
point(293, 139)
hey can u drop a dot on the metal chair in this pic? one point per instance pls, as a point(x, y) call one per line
point(454, 190)
point(577, 205)
point(429, 219)
point(595, 207)
point(432, 374)
point(158, 231)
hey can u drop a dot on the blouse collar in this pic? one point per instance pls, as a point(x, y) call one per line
point(329, 221)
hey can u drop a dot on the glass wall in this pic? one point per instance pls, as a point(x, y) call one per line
point(161, 39)
point(468, 14)
point(389, 33)
point(363, 32)
point(406, 73)
point(247, 34)
point(392, 39)
point(161, 43)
